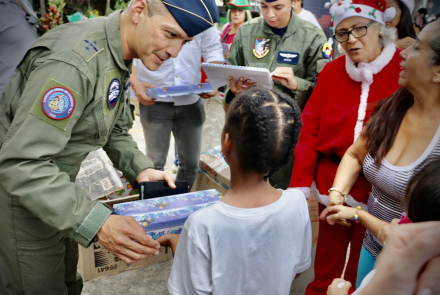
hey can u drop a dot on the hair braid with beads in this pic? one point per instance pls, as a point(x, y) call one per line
point(264, 126)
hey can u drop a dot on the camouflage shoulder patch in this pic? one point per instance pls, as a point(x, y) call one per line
point(55, 104)
point(89, 47)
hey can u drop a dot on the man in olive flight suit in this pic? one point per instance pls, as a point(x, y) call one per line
point(68, 97)
point(294, 51)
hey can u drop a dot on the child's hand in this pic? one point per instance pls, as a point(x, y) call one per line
point(338, 214)
point(386, 230)
point(169, 240)
point(336, 288)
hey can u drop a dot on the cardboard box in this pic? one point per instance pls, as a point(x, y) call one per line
point(216, 171)
point(96, 261)
point(160, 216)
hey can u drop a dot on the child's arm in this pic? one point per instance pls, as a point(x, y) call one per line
point(169, 240)
point(343, 213)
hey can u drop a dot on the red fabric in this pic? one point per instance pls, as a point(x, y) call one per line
point(225, 31)
point(378, 4)
point(230, 38)
point(204, 76)
point(329, 119)
point(330, 256)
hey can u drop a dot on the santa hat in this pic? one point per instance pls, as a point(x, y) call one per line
point(375, 10)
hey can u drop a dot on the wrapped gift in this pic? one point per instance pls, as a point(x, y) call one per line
point(97, 176)
point(165, 215)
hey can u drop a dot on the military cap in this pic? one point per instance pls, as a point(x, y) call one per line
point(193, 16)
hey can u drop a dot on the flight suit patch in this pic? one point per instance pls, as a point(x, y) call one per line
point(261, 47)
point(89, 47)
point(288, 57)
point(327, 50)
point(113, 90)
point(55, 104)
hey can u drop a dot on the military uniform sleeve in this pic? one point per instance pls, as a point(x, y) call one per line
point(123, 150)
point(27, 168)
point(314, 64)
point(235, 58)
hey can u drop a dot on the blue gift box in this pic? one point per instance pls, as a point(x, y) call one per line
point(165, 215)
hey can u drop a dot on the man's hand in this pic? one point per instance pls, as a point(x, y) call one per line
point(140, 89)
point(241, 85)
point(209, 94)
point(405, 42)
point(126, 239)
point(339, 287)
point(155, 175)
point(409, 262)
point(286, 77)
point(169, 240)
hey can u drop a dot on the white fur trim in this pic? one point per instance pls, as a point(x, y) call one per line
point(304, 190)
point(323, 199)
point(389, 14)
point(364, 72)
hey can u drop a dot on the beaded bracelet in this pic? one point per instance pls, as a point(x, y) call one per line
point(356, 216)
point(339, 191)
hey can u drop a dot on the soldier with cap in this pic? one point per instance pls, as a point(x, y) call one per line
point(68, 97)
point(291, 48)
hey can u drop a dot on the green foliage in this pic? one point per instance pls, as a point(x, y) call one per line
point(121, 4)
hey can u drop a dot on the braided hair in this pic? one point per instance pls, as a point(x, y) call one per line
point(264, 126)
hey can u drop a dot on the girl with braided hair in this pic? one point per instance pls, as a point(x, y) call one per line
point(258, 238)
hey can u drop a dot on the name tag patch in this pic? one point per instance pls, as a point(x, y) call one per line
point(288, 57)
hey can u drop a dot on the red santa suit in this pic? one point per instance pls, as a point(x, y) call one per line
point(332, 120)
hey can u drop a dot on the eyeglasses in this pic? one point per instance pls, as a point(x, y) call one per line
point(356, 32)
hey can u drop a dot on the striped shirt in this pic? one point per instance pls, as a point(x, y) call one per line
point(389, 183)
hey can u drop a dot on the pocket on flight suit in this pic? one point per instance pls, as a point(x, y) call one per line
point(41, 265)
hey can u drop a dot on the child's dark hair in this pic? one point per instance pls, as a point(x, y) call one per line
point(423, 194)
point(264, 126)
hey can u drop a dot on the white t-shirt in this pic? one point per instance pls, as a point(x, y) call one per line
point(365, 282)
point(229, 250)
point(308, 16)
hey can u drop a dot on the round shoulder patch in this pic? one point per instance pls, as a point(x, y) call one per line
point(327, 50)
point(58, 103)
point(114, 89)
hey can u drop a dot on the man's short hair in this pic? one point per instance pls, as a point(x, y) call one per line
point(155, 7)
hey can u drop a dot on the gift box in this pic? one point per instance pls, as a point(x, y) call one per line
point(213, 172)
point(166, 215)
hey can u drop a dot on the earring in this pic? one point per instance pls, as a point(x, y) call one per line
point(437, 80)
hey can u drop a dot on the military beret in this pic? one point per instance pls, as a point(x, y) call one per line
point(193, 16)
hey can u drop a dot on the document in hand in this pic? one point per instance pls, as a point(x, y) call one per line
point(218, 75)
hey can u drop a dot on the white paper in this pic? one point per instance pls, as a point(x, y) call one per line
point(226, 48)
point(218, 75)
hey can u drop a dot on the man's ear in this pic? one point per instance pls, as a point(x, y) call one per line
point(137, 8)
point(436, 77)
